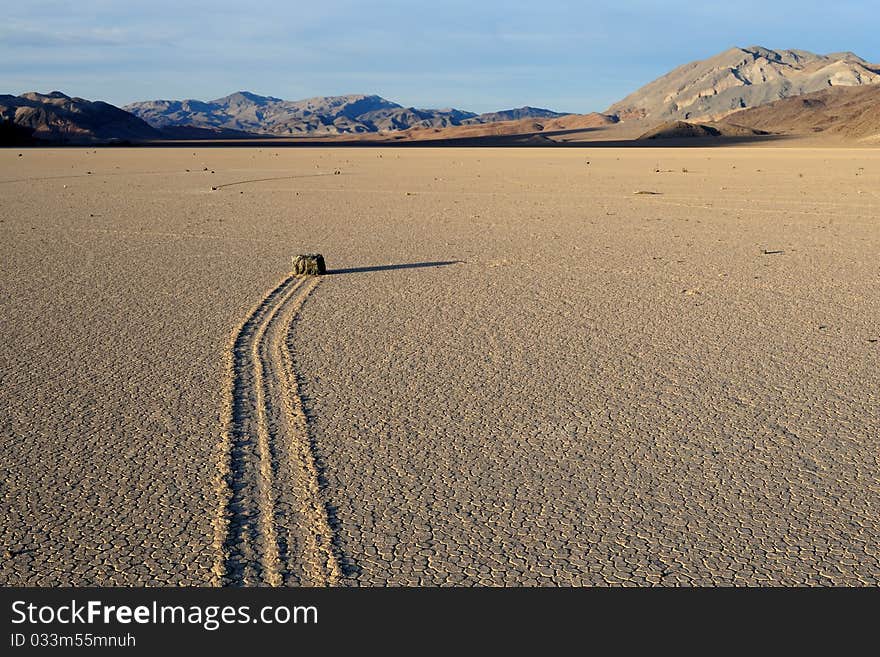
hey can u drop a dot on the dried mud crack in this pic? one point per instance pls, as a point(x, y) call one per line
point(272, 528)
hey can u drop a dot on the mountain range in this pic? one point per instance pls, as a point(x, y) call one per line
point(325, 115)
point(703, 92)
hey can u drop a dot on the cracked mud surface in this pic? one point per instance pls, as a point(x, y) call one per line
point(676, 388)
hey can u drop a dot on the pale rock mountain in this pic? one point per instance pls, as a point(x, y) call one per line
point(742, 77)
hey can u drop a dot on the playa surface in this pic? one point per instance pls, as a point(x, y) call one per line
point(519, 371)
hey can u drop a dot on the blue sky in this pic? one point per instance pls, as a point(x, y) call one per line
point(480, 56)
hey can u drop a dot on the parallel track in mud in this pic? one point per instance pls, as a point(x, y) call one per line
point(273, 527)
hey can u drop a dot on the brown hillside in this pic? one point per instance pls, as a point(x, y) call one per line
point(60, 118)
point(851, 112)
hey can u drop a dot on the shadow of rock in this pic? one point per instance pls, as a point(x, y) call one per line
point(410, 265)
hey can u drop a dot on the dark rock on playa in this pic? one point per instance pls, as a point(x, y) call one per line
point(309, 264)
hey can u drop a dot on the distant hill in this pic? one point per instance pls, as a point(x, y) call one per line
point(739, 78)
point(324, 115)
point(60, 118)
point(684, 130)
point(515, 115)
point(849, 112)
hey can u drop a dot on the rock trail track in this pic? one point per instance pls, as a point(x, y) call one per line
point(272, 527)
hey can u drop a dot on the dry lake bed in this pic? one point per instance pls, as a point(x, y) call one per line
point(530, 366)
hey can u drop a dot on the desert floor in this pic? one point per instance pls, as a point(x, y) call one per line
point(521, 371)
